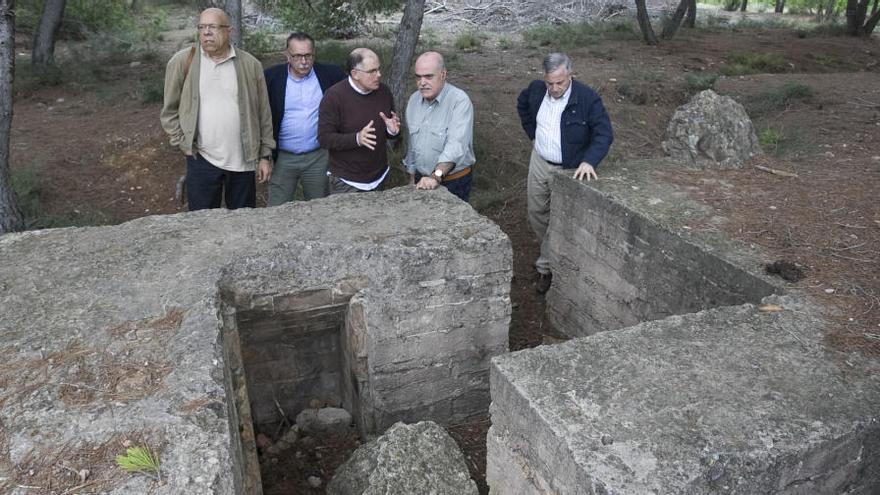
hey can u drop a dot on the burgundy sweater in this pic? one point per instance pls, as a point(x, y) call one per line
point(342, 114)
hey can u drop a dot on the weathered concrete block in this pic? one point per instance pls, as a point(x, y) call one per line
point(155, 329)
point(615, 266)
point(731, 400)
point(418, 458)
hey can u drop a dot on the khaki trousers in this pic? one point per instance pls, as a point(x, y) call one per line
point(540, 174)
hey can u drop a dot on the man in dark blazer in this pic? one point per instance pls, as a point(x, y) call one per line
point(569, 129)
point(295, 92)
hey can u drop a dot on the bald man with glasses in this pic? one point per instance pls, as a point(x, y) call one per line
point(216, 110)
point(295, 92)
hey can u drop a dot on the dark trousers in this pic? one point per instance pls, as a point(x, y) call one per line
point(461, 186)
point(206, 186)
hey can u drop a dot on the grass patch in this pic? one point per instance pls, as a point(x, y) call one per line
point(504, 43)
point(748, 62)
point(153, 91)
point(771, 139)
point(696, 82)
point(429, 41)
point(778, 98)
point(469, 42)
point(574, 35)
point(27, 184)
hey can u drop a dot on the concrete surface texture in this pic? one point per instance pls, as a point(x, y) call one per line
point(698, 373)
point(124, 334)
point(418, 458)
point(616, 264)
point(711, 131)
point(732, 400)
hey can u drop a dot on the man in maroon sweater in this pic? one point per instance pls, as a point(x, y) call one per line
point(355, 119)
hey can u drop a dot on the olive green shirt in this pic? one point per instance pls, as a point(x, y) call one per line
point(440, 131)
point(180, 110)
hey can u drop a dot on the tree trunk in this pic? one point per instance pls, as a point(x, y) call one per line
point(874, 8)
point(690, 19)
point(780, 6)
point(11, 219)
point(645, 23)
point(233, 8)
point(135, 6)
point(44, 36)
point(672, 24)
point(871, 23)
point(743, 5)
point(404, 49)
point(856, 11)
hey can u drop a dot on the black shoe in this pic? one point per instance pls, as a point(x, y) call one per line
point(542, 284)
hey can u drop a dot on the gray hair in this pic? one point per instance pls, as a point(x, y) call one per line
point(554, 61)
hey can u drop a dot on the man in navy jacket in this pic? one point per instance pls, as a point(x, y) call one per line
point(569, 129)
point(295, 92)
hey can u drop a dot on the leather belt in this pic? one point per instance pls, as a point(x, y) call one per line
point(457, 175)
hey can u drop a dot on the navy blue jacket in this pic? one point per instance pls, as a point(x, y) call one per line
point(276, 83)
point(586, 128)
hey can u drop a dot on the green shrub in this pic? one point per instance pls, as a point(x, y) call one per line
point(778, 98)
point(323, 19)
point(428, 40)
point(771, 138)
point(696, 82)
point(468, 42)
point(504, 43)
point(568, 36)
point(259, 42)
point(730, 5)
point(153, 90)
point(748, 62)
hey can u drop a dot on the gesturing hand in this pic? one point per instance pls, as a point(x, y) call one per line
point(391, 123)
point(367, 136)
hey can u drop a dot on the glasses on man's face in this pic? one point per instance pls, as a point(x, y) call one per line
point(300, 57)
point(211, 27)
point(371, 72)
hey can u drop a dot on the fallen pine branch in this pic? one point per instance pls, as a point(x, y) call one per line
point(776, 171)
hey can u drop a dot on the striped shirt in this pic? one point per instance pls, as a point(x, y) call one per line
point(548, 135)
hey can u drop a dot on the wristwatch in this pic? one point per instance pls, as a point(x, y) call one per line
point(438, 175)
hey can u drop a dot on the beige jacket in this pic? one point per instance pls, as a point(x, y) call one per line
point(180, 111)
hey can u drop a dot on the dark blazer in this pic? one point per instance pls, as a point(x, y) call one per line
point(276, 83)
point(586, 128)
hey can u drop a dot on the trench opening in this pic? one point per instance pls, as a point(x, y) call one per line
point(285, 358)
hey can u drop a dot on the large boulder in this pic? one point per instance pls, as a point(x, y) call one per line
point(711, 131)
point(417, 458)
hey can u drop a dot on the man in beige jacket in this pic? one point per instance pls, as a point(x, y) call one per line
point(216, 110)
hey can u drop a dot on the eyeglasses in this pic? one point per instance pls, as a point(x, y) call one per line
point(211, 27)
point(300, 56)
point(371, 72)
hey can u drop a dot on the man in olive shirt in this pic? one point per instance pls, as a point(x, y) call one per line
point(216, 110)
point(440, 118)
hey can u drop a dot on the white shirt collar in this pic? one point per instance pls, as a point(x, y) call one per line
point(356, 88)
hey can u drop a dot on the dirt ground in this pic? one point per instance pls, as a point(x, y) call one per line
point(108, 159)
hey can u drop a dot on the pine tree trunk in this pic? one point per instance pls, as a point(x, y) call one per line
point(871, 23)
point(645, 23)
point(856, 11)
point(744, 5)
point(233, 8)
point(690, 19)
point(404, 49)
point(780, 6)
point(11, 219)
point(44, 35)
point(672, 24)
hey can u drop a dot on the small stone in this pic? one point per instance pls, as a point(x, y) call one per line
point(607, 440)
point(134, 64)
point(126, 443)
point(314, 481)
point(829, 291)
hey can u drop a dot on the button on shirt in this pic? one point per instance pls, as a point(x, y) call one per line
point(548, 135)
point(219, 127)
point(440, 131)
point(299, 126)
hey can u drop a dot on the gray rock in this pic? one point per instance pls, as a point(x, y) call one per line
point(324, 420)
point(408, 459)
point(711, 131)
point(314, 481)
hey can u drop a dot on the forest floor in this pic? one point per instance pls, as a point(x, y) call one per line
point(94, 153)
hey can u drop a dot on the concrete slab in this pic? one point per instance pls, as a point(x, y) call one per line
point(146, 332)
point(730, 400)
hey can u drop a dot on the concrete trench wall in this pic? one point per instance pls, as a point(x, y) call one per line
point(164, 329)
point(679, 382)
